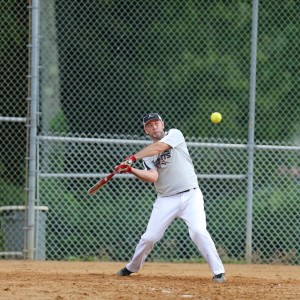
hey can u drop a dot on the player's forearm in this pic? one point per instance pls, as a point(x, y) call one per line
point(144, 175)
point(151, 150)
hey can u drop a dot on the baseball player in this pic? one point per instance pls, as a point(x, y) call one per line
point(168, 165)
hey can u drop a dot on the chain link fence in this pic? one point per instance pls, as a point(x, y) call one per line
point(103, 65)
point(14, 39)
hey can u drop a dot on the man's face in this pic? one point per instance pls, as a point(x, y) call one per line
point(155, 129)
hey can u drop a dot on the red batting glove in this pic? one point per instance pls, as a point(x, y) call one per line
point(122, 168)
point(129, 160)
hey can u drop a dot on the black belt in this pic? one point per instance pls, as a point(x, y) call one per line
point(186, 191)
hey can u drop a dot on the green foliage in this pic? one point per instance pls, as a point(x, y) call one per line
point(12, 32)
point(14, 39)
point(85, 228)
point(196, 52)
point(276, 227)
point(82, 227)
point(59, 123)
point(11, 194)
point(276, 223)
point(227, 225)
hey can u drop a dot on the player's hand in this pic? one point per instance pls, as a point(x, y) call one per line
point(129, 160)
point(122, 168)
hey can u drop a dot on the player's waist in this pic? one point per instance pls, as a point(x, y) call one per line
point(185, 191)
point(176, 192)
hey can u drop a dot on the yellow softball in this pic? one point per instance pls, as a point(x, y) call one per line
point(216, 117)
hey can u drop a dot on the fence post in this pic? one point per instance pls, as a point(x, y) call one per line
point(251, 143)
point(33, 98)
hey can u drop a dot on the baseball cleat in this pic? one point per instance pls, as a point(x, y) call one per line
point(124, 272)
point(219, 278)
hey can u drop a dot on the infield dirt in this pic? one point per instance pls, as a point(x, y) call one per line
point(97, 280)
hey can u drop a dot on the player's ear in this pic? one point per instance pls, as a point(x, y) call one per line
point(145, 130)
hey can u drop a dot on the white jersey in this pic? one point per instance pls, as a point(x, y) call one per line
point(174, 166)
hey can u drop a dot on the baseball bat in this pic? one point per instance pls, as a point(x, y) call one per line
point(101, 183)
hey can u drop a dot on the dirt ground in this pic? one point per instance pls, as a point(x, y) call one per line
point(42, 280)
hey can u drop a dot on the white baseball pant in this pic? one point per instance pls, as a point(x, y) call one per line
point(188, 206)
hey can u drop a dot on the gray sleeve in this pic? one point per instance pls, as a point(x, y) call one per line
point(173, 138)
point(146, 166)
point(148, 163)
